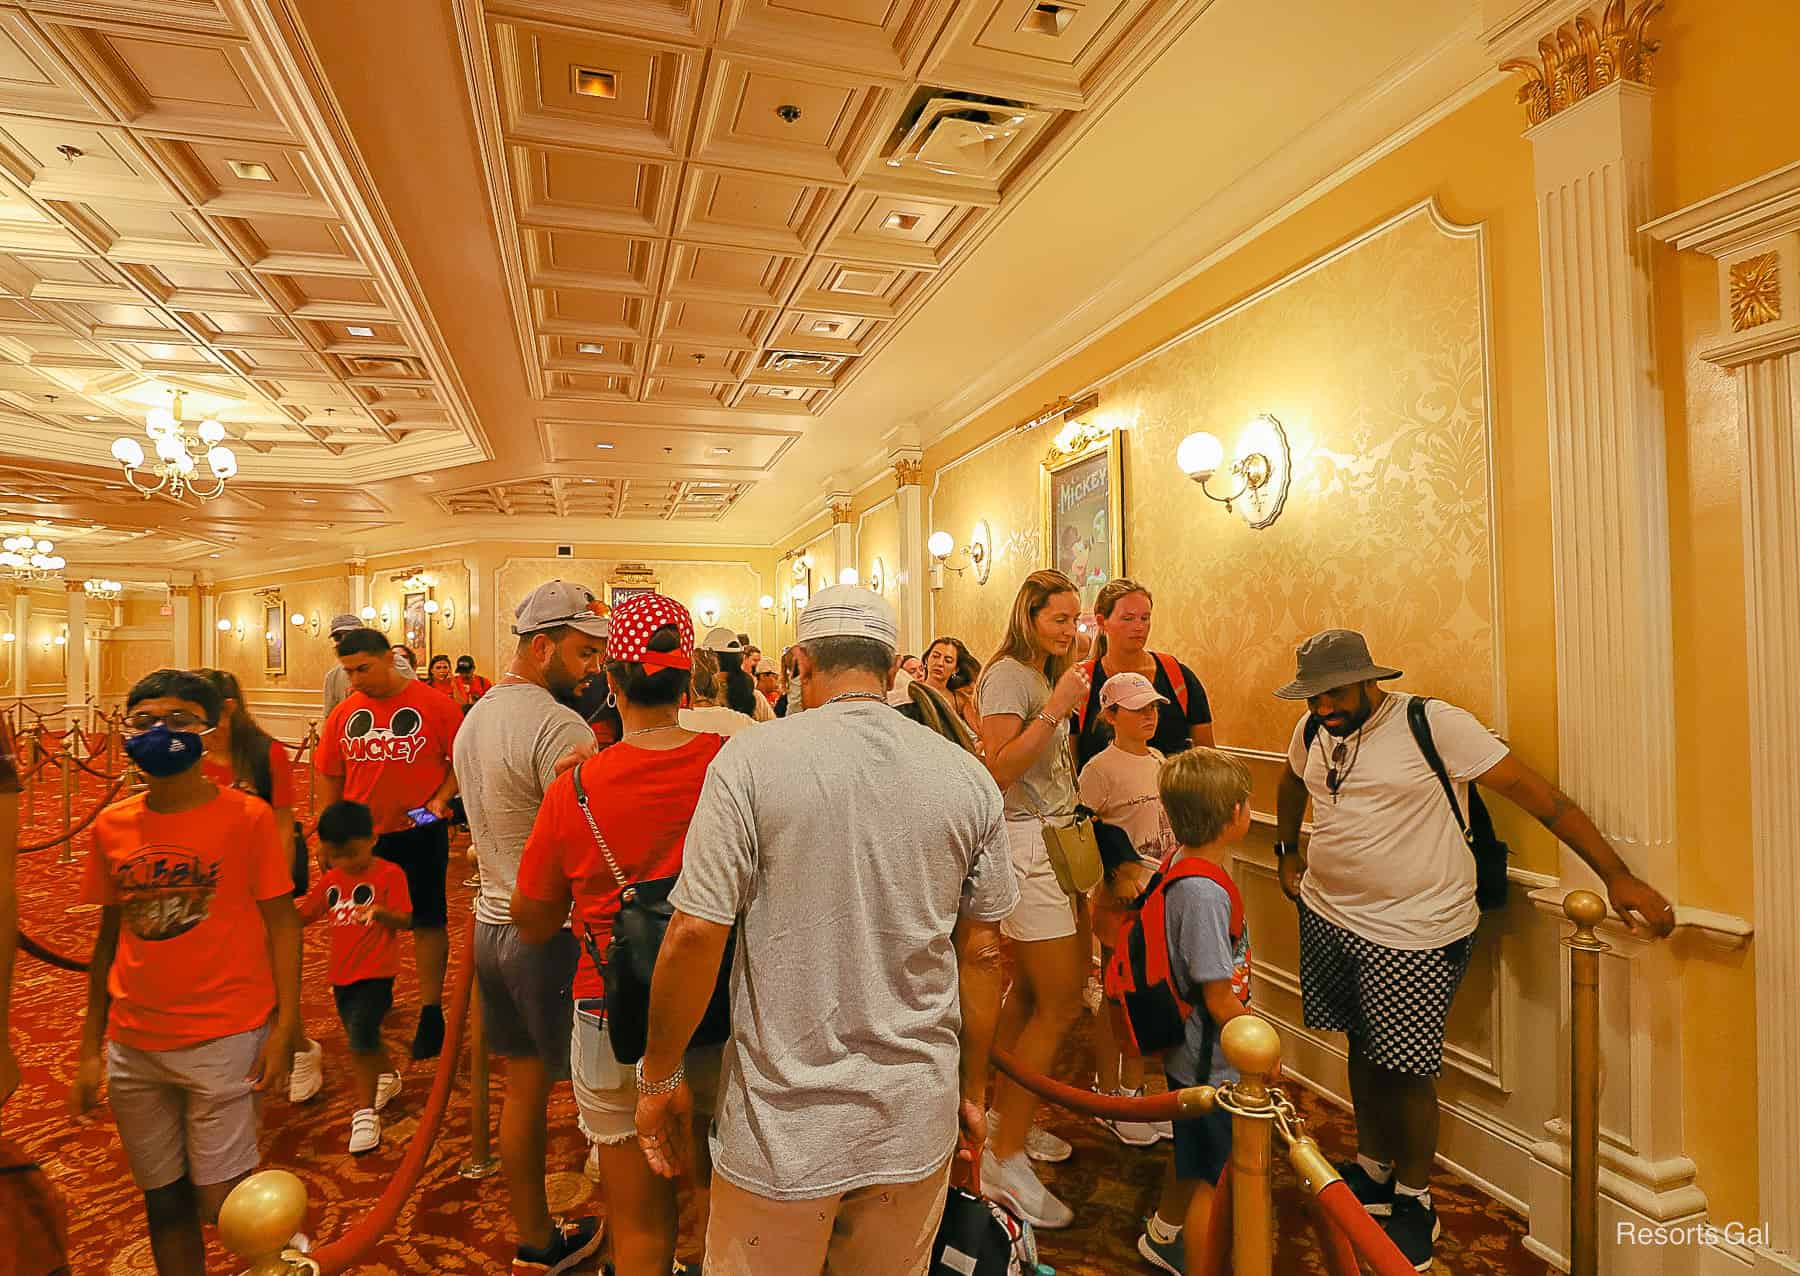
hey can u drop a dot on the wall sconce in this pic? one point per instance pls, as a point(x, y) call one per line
point(1261, 471)
point(314, 624)
point(708, 612)
point(298, 620)
point(9, 636)
point(942, 545)
point(224, 626)
point(877, 573)
point(366, 613)
point(432, 607)
point(387, 619)
point(800, 597)
point(61, 640)
point(448, 615)
point(848, 576)
point(240, 631)
point(766, 602)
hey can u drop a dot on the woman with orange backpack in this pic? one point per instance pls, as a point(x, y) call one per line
point(1122, 646)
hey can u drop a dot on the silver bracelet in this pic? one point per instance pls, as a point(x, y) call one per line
point(1054, 722)
point(668, 1085)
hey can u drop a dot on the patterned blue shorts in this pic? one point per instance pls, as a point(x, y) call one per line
point(1393, 1001)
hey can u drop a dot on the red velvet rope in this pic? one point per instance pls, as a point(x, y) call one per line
point(86, 820)
point(49, 956)
point(1340, 1254)
point(1148, 1108)
point(1371, 1243)
point(349, 1249)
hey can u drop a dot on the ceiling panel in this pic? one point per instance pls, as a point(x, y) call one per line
point(875, 38)
point(791, 118)
point(586, 190)
point(623, 445)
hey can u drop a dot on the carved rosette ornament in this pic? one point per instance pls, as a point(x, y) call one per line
point(907, 471)
point(1755, 291)
point(1580, 58)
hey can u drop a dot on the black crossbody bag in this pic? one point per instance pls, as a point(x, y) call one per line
point(630, 964)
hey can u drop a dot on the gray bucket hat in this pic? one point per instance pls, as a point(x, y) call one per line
point(1330, 659)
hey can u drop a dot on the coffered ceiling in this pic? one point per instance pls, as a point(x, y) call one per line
point(611, 269)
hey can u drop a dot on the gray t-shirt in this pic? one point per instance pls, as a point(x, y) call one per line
point(505, 757)
point(1198, 921)
point(845, 848)
point(1048, 787)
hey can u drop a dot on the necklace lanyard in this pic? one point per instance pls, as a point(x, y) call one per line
point(855, 695)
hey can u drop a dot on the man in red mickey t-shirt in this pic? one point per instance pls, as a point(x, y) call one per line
point(387, 745)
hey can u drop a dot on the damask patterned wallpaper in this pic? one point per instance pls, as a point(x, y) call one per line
point(1374, 360)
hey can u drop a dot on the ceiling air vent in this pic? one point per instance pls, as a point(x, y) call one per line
point(963, 135)
point(812, 365)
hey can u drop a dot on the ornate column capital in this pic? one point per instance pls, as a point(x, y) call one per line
point(840, 506)
point(1580, 55)
point(74, 587)
point(908, 465)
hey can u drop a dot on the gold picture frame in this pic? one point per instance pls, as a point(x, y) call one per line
point(415, 626)
point(1082, 495)
point(275, 623)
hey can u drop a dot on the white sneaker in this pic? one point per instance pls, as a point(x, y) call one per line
point(387, 1085)
point(1040, 1144)
point(300, 1243)
point(592, 1168)
point(1015, 1184)
point(308, 1076)
point(1093, 995)
point(365, 1131)
point(1133, 1134)
point(1165, 1130)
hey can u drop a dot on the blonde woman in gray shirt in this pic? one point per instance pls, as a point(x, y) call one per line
point(1027, 694)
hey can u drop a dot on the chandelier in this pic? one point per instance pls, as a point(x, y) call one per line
point(28, 559)
point(175, 466)
point(102, 590)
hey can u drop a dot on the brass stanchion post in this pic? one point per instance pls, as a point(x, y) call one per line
point(1586, 910)
point(1254, 1049)
point(67, 854)
point(260, 1217)
point(310, 742)
point(482, 1161)
point(36, 754)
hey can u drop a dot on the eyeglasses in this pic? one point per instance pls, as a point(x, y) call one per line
point(175, 720)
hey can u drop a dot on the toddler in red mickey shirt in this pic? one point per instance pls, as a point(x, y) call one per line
point(367, 904)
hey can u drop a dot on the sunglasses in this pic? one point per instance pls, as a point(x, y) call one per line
point(1334, 775)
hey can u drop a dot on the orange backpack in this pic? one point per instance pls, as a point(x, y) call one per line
point(1149, 1014)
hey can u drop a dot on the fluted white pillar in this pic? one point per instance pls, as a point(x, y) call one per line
point(181, 619)
point(913, 533)
point(1752, 233)
point(75, 652)
point(209, 625)
point(21, 647)
point(843, 535)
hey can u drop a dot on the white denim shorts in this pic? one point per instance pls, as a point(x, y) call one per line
point(606, 1096)
point(1044, 912)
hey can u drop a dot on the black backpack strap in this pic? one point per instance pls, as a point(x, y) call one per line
point(1421, 733)
point(1311, 732)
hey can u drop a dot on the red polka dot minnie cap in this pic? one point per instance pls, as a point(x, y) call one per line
point(636, 620)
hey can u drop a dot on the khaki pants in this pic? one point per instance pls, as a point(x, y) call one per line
point(880, 1230)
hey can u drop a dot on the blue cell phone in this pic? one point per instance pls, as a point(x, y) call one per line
point(421, 815)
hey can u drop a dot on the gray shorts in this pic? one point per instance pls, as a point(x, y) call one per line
point(527, 1003)
point(186, 1113)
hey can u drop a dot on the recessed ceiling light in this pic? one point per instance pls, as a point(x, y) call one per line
point(309, 500)
point(250, 170)
point(826, 325)
point(592, 82)
point(901, 221)
point(590, 347)
point(424, 478)
point(588, 480)
point(212, 555)
point(90, 418)
point(721, 451)
point(357, 330)
point(1048, 19)
point(604, 447)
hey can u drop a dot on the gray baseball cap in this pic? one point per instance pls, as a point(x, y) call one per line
point(557, 603)
point(1330, 659)
point(343, 623)
point(719, 638)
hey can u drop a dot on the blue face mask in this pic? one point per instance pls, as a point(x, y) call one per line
point(162, 752)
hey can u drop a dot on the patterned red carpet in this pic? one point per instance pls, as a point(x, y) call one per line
point(455, 1225)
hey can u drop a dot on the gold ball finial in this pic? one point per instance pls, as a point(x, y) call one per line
point(1252, 1045)
point(1586, 909)
point(262, 1214)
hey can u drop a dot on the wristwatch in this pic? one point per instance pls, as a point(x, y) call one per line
point(1284, 849)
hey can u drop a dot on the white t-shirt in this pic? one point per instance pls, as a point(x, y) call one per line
point(714, 718)
point(765, 712)
point(1120, 788)
point(1386, 860)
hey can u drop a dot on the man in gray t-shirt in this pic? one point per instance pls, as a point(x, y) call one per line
point(337, 682)
point(863, 860)
point(506, 755)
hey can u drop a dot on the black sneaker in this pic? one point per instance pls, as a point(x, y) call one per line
point(1376, 1198)
point(570, 1242)
point(1413, 1227)
point(428, 1038)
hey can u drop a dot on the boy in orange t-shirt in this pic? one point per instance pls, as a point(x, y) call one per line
point(197, 968)
point(367, 903)
point(388, 746)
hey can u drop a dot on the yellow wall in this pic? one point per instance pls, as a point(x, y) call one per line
point(878, 538)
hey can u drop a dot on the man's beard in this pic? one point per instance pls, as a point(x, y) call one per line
point(1354, 718)
point(561, 682)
